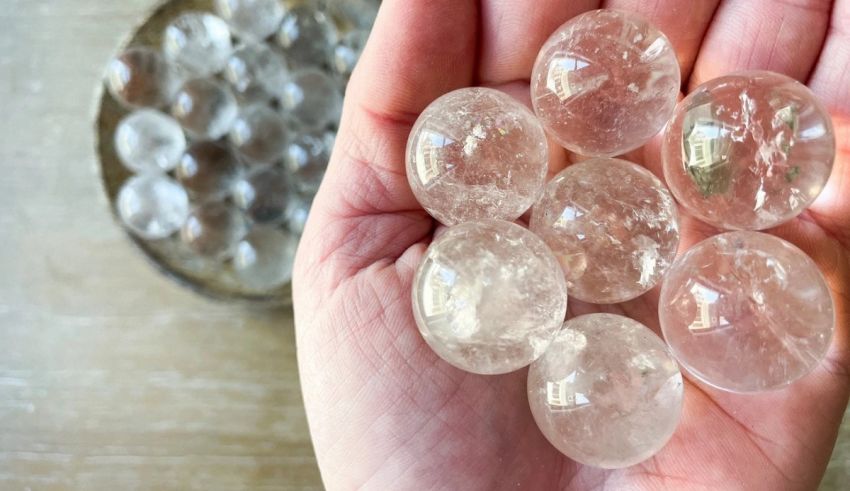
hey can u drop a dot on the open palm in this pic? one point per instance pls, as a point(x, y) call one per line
point(386, 413)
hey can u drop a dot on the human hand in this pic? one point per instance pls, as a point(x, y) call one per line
point(386, 413)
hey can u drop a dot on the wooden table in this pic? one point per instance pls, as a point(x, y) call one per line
point(111, 376)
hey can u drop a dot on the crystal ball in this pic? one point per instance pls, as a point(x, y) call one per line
point(748, 151)
point(213, 229)
point(297, 212)
point(259, 134)
point(358, 14)
point(347, 52)
point(263, 195)
point(612, 225)
point(607, 392)
point(199, 42)
point(140, 77)
point(312, 98)
point(306, 158)
point(205, 108)
point(264, 258)
point(251, 20)
point(747, 312)
point(208, 170)
point(489, 296)
point(148, 141)
point(605, 83)
point(256, 73)
point(152, 206)
point(307, 35)
point(476, 153)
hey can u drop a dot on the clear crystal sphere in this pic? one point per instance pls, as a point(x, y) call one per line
point(141, 77)
point(148, 141)
point(213, 229)
point(251, 20)
point(347, 52)
point(747, 312)
point(612, 225)
point(208, 170)
point(749, 151)
point(264, 258)
point(489, 296)
point(198, 42)
point(313, 99)
point(297, 212)
point(152, 206)
point(259, 134)
point(306, 158)
point(206, 108)
point(358, 14)
point(476, 153)
point(263, 195)
point(256, 73)
point(307, 35)
point(607, 392)
point(605, 83)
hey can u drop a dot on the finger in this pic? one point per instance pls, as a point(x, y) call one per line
point(513, 32)
point(784, 36)
point(684, 22)
point(831, 82)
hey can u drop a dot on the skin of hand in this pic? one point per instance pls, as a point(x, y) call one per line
point(386, 413)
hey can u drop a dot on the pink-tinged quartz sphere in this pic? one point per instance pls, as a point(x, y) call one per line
point(477, 153)
point(605, 83)
point(746, 312)
point(749, 151)
point(612, 225)
point(489, 296)
point(607, 392)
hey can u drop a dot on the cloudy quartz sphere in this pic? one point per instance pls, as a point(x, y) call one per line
point(263, 195)
point(213, 229)
point(264, 258)
point(312, 98)
point(139, 77)
point(306, 158)
point(148, 141)
point(251, 20)
point(489, 296)
point(749, 151)
point(607, 392)
point(612, 225)
point(259, 134)
point(256, 73)
point(208, 170)
point(476, 153)
point(605, 83)
point(307, 36)
point(152, 206)
point(205, 108)
point(198, 42)
point(746, 311)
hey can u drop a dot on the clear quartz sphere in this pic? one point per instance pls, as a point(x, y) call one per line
point(297, 212)
point(747, 312)
point(612, 225)
point(489, 296)
point(748, 151)
point(152, 206)
point(306, 158)
point(206, 108)
point(208, 170)
point(347, 52)
point(214, 229)
point(251, 20)
point(140, 77)
point(256, 73)
point(607, 393)
point(263, 195)
point(476, 153)
point(605, 83)
point(307, 35)
point(259, 134)
point(312, 98)
point(357, 14)
point(264, 258)
point(199, 42)
point(148, 141)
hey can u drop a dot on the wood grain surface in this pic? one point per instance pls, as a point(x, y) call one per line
point(111, 376)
